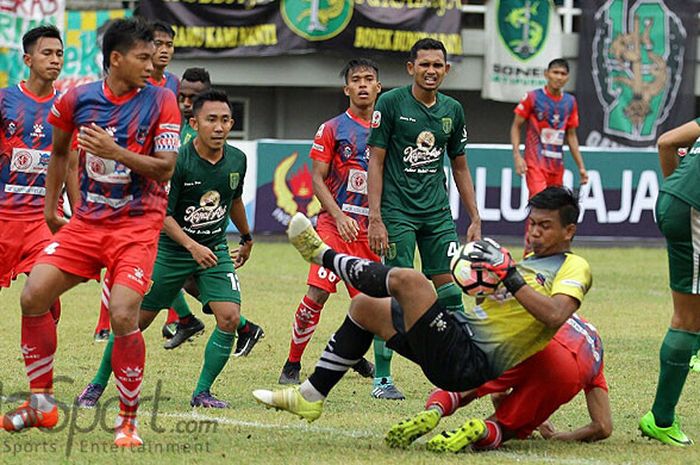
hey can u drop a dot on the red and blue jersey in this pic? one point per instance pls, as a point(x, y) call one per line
point(169, 81)
point(548, 117)
point(583, 340)
point(143, 121)
point(342, 143)
point(25, 149)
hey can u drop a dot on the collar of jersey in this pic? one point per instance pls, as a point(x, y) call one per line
point(553, 97)
point(357, 119)
point(25, 90)
point(117, 100)
point(159, 83)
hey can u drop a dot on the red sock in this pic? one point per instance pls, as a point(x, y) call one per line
point(128, 360)
point(55, 311)
point(448, 401)
point(38, 349)
point(103, 322)
point(305, 321)
point(493, 438)
point(172, 316)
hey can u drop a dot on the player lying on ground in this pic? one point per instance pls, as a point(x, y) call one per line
point(456, 351)
point(524, 396)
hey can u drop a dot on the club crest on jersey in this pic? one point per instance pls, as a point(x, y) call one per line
point(22, 160)
point(376, 119)
point(233, 180)
point(346, 152)
point(141, 134)
point(447, 125)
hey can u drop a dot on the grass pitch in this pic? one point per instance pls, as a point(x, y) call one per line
point(629, 303)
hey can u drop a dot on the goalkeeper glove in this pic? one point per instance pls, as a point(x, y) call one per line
point(489, 255)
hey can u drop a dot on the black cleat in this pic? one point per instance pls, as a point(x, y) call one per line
point(184, 332)
point(246, 341)
point(290, 373)
point(364, 368)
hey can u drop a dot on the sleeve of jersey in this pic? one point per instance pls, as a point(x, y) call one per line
point(457, 144)
point(61, 114)
point(239, 189)
point(175, 185)
point(167, 135)
point(574, 278)
point(381, 124)
point(573, 119)
point(324, 142)
point(597, 382)
point(524, 107)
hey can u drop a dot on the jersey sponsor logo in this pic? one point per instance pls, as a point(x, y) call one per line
point(167, 142)
point(357, 210)
point(424, 153)
point(574, 283)
point(376, 119)
point(30, 190)
point(551, 136)
point(210, 211)
point(169, 127)
point(29, 161)
point(107, 171)
point(590, 340)
point(318, 147)
point(447, 125)
point(407, 118)
point(109, 201)
point(233, 180)
point(317, 19)
point(357, 181)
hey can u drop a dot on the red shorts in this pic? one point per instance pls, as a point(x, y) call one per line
point(325, 279)
point(21, 243)
point(540, 177)
point(128, 252)
point(540, 385)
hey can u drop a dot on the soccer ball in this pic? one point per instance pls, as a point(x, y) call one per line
point(474, 280)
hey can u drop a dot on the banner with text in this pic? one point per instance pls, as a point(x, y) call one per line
point(636, 70)
point(523, 37)
point(19, 16)
point(279, 27)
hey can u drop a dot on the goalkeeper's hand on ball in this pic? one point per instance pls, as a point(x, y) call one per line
point(490, 255)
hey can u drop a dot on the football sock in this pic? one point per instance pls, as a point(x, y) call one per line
point(243, 326)
point(382, 361)
point(38, 348)
point(103, 322)
point(448, 402)
point(344, 349)
point(305, 321)
point(216, 354)
point(105, 369)
point(450, 297)
point(368, 277)
point(180, 306)
point(675, 353)
point(55, 311)
point(42, 402)
point(493, 438)
point(128, 360)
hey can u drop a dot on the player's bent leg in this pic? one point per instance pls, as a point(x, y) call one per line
point(43, 286)
point(414, 293)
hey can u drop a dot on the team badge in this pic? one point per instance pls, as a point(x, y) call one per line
point(233, 180)
point(391, 252)
point(141, 134)
point(346, 152)
point(447, 125)
point(22, 160)
point(376, 119)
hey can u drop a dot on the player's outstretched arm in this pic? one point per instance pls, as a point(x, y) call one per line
point(598, 429)
point(670, 141)
point(465, 186)
point(96, 140)
point(572, 140)
point(240, 220)
point(203, 255)
point(56, 177)
point(377, 235)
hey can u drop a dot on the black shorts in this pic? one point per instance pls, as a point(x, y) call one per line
point(441, 343)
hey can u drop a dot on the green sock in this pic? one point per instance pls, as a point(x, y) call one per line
point(105, 370)
point(382, 359)
point(216, 354)
point(180, 305)
point(677, 348)
point(450, 297)
point(242, 322)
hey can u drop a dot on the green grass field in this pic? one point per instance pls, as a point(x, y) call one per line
point(629, 303)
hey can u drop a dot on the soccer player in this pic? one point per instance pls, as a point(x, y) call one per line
point(128, 141)
point(205, 191)
point(194, 81)
point(552, 118)
point(339, 155)
point(413, 128)
point(524, 396)
point(457, 351)
point(677, 216)
point(25, 148)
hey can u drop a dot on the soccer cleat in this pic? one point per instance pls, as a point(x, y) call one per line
point(305, 239)
point(670, 435)
point(90, 395)
point(695, 363)
point(26, 416)
point(169, 330)
point(386, 390)
point(246, 341)
point(290, 373)
point(102, 335)
point(291, 400)
point(195, 327)
point(364, 368)
point(402, 434)
point(456, 440)
point(205, 399)
point(125, 434)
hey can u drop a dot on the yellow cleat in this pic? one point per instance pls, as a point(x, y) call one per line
point(292, 401)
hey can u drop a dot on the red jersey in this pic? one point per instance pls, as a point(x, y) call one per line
point(143, 121)
point(25, 148)
point(583, 340)
point(169, 81)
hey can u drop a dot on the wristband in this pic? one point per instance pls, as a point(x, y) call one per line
point(513, 281)
point(245, 238)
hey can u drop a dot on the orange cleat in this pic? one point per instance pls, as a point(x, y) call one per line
point(125, 434)
point(26, 416)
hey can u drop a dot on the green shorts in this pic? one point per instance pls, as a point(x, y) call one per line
point(680, 225)
point(436, 239)
point(216, 284)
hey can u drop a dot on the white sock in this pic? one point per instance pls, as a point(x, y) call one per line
point(42, 402)
point(310, 393)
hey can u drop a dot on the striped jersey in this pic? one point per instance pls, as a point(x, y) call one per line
point(169, 81)
point(583, 340)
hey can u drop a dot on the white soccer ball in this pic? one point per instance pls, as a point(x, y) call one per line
point(474, 280)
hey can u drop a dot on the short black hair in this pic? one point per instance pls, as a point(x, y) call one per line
point(32, 36)
point(122, 35)
point(558, 63)
point(211, 95)
point(558, 198)
point(358, 63)
point(197, 75)
point(162, 26)
point(427, 44)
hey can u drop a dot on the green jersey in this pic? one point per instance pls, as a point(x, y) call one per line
point(187, 133)
point(201, 195)
point(684, 182)
point(416, 139)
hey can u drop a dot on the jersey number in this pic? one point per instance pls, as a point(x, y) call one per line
point(452, 249)
point(235, 285)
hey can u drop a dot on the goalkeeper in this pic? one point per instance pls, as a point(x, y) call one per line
point(457, 352)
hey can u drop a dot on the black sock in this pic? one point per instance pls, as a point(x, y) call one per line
point(344, 349)
point(364, 275)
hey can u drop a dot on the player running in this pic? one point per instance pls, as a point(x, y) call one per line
point(456, 351)
point(413, 129)
point(128, 141)
point(339, 155)
point(25, 148)
point(524, 396)
point(205, 191)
